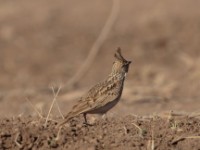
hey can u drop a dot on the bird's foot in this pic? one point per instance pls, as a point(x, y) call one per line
point(87, 124)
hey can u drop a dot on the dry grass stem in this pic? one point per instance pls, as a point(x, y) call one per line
point(54, 99)
point(16, 142)
point(58, 134)
point(192, 137)
point(57, 103)
point(152, 140)
point(125, 129)
point(35, 109)
point(141, 131)
point(194, 115)
point(183, 138)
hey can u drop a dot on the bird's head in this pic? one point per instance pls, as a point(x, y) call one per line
point(120, 65)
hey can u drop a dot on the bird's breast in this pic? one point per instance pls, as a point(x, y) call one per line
point(105, 108)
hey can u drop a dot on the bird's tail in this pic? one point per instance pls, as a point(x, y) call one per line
point(66, 119)
point(70, 115)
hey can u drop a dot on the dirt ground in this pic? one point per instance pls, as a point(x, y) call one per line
point(44, 43)
point(115, 133)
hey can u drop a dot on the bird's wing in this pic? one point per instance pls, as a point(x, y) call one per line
point(101, 97)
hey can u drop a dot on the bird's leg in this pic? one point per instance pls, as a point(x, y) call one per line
point(85, 118)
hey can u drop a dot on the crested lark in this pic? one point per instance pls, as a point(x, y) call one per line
point(105, 95)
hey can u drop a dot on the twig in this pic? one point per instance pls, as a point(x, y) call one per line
point(54, 99)
point(96, 46)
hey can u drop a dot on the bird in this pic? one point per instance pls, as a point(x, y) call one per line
point(104, 95)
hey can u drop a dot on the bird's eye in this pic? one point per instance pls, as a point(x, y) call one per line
point(125, 64)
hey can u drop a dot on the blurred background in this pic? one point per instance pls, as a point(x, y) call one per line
point(44, 43)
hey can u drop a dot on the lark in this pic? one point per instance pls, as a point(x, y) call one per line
point(104, 95)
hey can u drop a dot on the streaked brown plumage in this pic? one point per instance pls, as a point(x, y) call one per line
point(105, 95)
